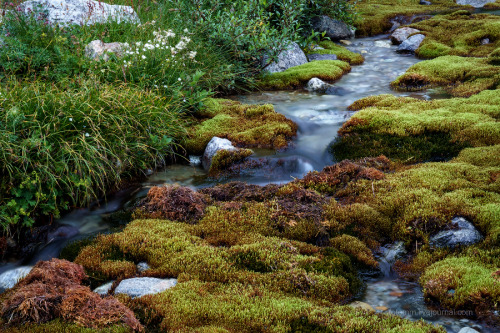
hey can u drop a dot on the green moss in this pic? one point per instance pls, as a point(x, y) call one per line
point(341, 52)
point(412, 130)
point(244, 125)
point(59, 326)
point(355, 248)
point(225, 158)
point(460, 34)
point(460, 76)
point(298, 76)
point(462, 283)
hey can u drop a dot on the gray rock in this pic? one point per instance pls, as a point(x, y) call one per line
point(390, 253)
point(104, 289)
point(142, 267)
point(464, 234)
point(411, 44)
point(81, 12)
point(485, 41)
point(401, 34)
point(9, 278)
point(425, 2)
point(334, 29)
point(467, 330)
point(474, 3)
point(317, 56)
point(137, 287)
point(291, 57)
point(317, 85)
point(212, 148)
point(97, 49)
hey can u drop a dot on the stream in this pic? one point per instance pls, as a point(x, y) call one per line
point(318, 117)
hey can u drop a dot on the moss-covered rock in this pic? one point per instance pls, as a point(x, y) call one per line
point(298, 76)
point(244, 125)
point(341, 52)
point(225, 158)
point(459, 33)
point(412, 130)
point(459, 75)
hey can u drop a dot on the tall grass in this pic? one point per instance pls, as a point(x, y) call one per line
point(62, 146)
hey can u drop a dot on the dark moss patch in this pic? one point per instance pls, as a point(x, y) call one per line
point(298, 76)
point(246, 126)
point(71, 250)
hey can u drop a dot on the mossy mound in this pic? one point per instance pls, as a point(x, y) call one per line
point(459, 33)
point(244, 125)
point(298, 76)
point(375, 15)
point(460, 76)
point(412, 130)
point(341, 52)
point(224, 159)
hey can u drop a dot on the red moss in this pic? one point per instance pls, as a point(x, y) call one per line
point(53, 290)
point(239, 191)
point(172, 202)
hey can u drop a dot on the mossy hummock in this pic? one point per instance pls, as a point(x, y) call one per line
point(460, 76)
point(246, 126)
point(298, 76)
point(459, 33)
point(341, 52)
point(412, 130)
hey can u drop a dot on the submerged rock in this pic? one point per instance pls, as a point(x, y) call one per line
point(137, 287)
point(362, 305)
point(382, 43)
point(97, 49)
point(81, 12)
point(401, 34)
point(411, 44)
point(333, 29)
point(9, 278)
point(291, 57)
point(465, 234)
point(317, 56)
point(474, 3)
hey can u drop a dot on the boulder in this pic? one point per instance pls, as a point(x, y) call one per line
point(81, 12)
point(401, 34)
point(464, 234)
point(333, 29)
point(212, 148)
point(411, 44)
point(97, 49)
point(317, 85)
point(9, 278)
point(474, 3)
point(317, 56)
point(291, 57)
point(138, 287)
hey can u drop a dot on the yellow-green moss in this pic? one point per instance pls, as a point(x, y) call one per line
point(244, 125)
point(460, 34)
point(60, 326)
point(462, 283)
point(460, 76)
point(341, 52)
point(298, 76)
point(354, 247)
point(225, 158)
point(413, 130)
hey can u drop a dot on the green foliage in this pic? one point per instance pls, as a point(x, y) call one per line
point(63, 146)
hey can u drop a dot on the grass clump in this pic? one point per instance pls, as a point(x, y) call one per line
point(460, 34)
point(412, 130)
point(244, 125)
point(341, 52)
point(461, 76)
point(298, 76)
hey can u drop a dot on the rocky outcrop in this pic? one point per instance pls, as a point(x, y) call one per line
point(291, 57)
point(401, 34)
point(474, 3)
point(333, 29)
point(81, 12)
point(411, 44)
point(137, 287)
point(98, 50)
point(464, 234)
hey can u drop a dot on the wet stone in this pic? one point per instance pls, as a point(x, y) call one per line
point(464, 234)
point(104, 289)
point(138, 287)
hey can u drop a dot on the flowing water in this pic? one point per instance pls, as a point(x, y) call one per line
point(319, 117)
